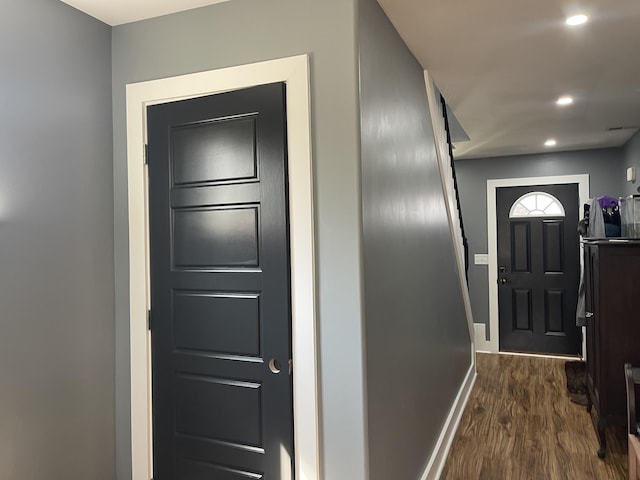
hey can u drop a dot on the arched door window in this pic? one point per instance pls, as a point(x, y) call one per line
point(536, 204)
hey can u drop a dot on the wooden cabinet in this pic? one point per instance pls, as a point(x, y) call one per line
point(612, 280)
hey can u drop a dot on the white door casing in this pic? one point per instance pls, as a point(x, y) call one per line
point(493, 344)
point(294, 71)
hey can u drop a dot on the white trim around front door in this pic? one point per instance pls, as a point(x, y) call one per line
point(493, 344)
point(294, 71)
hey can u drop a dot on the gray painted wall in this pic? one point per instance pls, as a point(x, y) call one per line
point(245, 31)
point(604, 167)
point(631, 158)
point(417, 339)
point(56, 245)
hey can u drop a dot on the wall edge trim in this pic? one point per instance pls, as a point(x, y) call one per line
point(439, 456)
point(446, 177)
point(482, 344)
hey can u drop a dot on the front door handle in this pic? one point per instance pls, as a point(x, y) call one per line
point(502, 281)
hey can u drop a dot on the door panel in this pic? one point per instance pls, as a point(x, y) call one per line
point(222, 150)
point(220, 288)
point(553, 246)
point(217, 323)
point(538, 273)
point(201, 471)
point(520, 247)
point(236, 418)
point(522, 309)
point(201, 237)
point(554, 312)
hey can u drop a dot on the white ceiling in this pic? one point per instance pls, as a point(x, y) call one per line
point(501, 64)
point(117, 12)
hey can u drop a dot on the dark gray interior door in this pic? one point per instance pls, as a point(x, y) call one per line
point(220, 292)
point(538, 274)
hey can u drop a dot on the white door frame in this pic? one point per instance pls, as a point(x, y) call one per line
point(294, 71)
point(493, 345)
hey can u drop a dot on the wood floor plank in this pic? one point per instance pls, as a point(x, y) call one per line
point(520, 424)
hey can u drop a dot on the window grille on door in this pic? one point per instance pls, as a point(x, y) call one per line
point(536, 204)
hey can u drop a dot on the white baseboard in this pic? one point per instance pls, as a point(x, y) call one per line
point(541, 355)
point(440, 452)
point(482, 344)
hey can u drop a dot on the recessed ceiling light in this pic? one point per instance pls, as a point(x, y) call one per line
point(550, 143)
point(566, 100)
point(577, 20)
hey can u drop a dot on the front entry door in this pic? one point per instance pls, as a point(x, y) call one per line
point(538, 268)
point(220, 293)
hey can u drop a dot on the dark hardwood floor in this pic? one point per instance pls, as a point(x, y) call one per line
point(520, 424)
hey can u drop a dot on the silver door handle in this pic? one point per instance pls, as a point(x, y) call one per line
point(588, 314)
